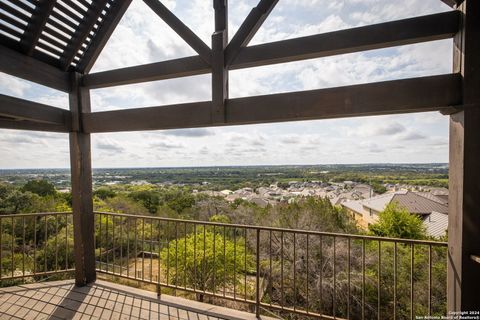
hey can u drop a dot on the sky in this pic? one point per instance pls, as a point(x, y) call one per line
point(141, 37)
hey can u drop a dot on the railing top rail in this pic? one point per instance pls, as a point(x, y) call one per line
point(15, 215)
point(311, 232)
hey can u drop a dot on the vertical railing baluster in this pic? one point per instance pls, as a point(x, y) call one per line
point(66, 241)
point(245, 264)
point(204, 262)
point(412, 287)
point(294, 271)
point(321, 274)
point(257, 275)
point(24, 247)
point(151, 250)
point(143, 248)
point(430, 280)
point(270, 285)
point(176, 257)
point(363, 279)
point(107, 246)
point(307, 272)
point(13, 247)
point(379, 296)
point(185, 256)
point(136, 247)
point(195, 256)
point(34, 245)
point(46, 244)
point(334, 276)
point(100, 237)
point(224, 260)
point(121, 244)
point(348, 276)
point(234, 263)
point(113, 243)
point(159, 287)
point(128, 245)
point(282, 298)
point(395, 280)
point(214, 259)
point(56, 242)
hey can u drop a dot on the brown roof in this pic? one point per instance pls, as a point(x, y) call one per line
point(418, 204)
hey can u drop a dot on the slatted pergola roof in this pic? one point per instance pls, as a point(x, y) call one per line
point(67, 34)
point(56, 42)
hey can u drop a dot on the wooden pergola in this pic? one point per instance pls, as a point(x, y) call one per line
point(56, 43)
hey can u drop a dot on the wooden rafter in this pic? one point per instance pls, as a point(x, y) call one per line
point(181, 29)
point(383, 35)
point(82, 32)
point(248, 29)
point(389, 97)
point(28, 68)
point(116, 12)
point(219, 70)
point(35, 26)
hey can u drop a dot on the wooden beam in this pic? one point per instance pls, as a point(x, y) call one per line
point(464, 171)
point(219, 71)
point(7, 123)
point(115, 14)
point(181, 29)
point(248, 29)
point(28, 68)
point(20, 109)
point(398, 96)
point(82, 195)
point(36, 24)
point(389, 34)
point(82, 32)
point(452, 3)
point(183, 67)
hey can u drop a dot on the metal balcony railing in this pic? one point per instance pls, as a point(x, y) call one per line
point(317, 274)
point(35, 246)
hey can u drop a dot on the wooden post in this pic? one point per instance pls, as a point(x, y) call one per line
point(464, 185)
point(81, 171)
point(219, 71)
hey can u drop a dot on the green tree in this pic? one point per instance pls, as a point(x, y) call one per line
point(104, 193)
point(198, 260)
point(149, 198)
point(41, 187)
point(397, 222)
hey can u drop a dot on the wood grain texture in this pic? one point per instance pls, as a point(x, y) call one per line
point(390, 97)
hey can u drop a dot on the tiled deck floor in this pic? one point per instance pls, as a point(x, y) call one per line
point(102, 300)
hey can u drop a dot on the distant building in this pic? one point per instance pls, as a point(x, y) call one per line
point(366, 211)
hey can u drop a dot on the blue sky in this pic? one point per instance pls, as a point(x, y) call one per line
point(142, 37)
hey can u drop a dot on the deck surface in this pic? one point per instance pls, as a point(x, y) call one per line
point(102, 300)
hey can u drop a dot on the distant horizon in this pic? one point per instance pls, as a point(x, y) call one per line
point(245, 166)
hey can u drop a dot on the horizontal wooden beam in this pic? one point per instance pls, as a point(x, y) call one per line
point(383, 35)
point(29, 125)
point(389, 34)
point(183, 67)
point(181, 29)
point(19, 109)
point(31, 69)
point(452, 3)
point(389, 97)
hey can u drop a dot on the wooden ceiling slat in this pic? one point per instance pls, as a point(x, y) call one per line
point(36, 25)
point(48, 50)
point(56, 34)
point(47, 46)
point(82, 32)
point(69, 11)
point(22, 5)
point(68, 17)
point(14, 12)
point(76, 6)
point(12, 32)
point(13, 22)
point(64, 20)
point(59, 26)
point(52, 39)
